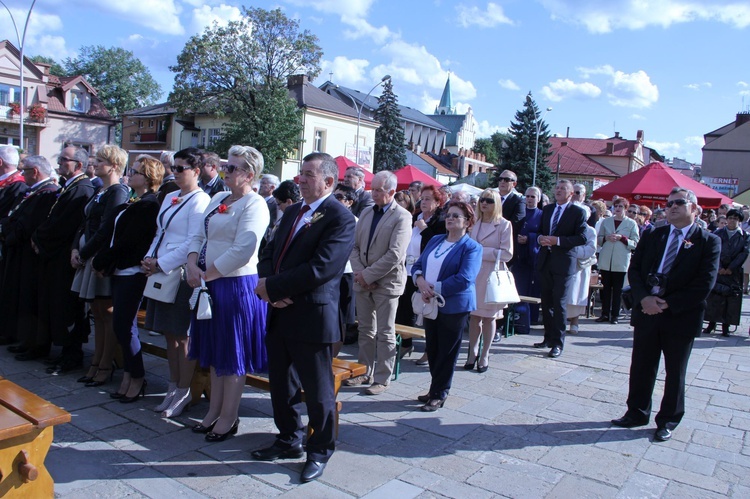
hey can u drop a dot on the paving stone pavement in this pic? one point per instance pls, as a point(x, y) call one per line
point(529, 427)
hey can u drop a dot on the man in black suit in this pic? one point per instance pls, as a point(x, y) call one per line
point(268, 183)
point(672, 271)
point(355, 178)
point(210, 181)
point(514, 210)
point(12, 186)
point(563, 228)
point(61, 318)
point(300, 271)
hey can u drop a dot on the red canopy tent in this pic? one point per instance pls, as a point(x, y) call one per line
point(652, 184)
point(410, 173)
point(345, 163)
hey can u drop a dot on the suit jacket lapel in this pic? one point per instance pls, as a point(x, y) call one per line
point(684, 250)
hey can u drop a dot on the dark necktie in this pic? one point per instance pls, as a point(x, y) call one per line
point(671, 254)
point(555, 220)
point(290, 236)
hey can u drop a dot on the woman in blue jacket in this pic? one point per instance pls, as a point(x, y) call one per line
point(448, 266)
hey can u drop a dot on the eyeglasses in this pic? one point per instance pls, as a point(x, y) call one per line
point(643, 214)
point(63, 159)
point(620, 206)
point(678, 202)
point(24, 170)
point(180, 169)
point(530, 196)
point(506, 179)
point(487, 200)
point(453, 215)
point(133, 171)
point(577, 192)
point(232, 168)
point(634, 212)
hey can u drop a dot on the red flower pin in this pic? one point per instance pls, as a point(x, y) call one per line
point(223, 208)
point(175, 200)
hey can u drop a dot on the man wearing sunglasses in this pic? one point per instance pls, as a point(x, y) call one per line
point(671, 274)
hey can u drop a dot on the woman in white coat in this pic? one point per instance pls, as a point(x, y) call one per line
point(179, 221)
point(579, 291)
point(618, 237)
point(225, 256)
point(495, 234)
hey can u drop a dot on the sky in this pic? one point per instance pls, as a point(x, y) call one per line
point(676, 69)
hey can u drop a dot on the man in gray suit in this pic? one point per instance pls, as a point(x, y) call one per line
point(382, 235)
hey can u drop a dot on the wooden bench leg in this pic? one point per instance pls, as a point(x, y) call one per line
point(510, 312)
point(397, 366)
point(200, 384)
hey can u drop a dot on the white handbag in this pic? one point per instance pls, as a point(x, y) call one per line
point(501, 286)
point(163, 287)
point(426, 310)
point(201, 302)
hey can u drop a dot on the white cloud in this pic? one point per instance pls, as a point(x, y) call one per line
point(604, 17)
point(485, 129)
point(625, 89)
point(413, 64)
point(360, 28)
point(665, 148)
point(205, 16)
point(508, 84)
point(601, 136)
point(40, 39)
point(567, 89)
point(698, 86)
point(742, 84)
point(695, 140)
point(159, 15)
point(348, 8)
point(473, 16)
point(637, 117)
point(346, 72)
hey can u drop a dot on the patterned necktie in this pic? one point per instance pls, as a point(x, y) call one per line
point(289, 237)
point(555, 220)
point(671, 254)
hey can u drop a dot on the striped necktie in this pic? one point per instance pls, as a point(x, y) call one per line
point(671, 253)
point(555, 220)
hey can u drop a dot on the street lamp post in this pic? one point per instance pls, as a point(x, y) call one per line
point(21, 42)
point(536, 142)
point(359, 113)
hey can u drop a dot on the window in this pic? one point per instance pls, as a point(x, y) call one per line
point(210, 136)
point(9, 94)
point(162, 125)
point(79, 101)
point(140, 124)
point(13, 141)
point(151, 123)
point(319, 142)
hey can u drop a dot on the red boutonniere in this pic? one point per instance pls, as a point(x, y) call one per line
point(176, 200)
point(687, 244)
point(223, 208)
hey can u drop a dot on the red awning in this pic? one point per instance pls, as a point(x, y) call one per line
point(345, 163)
point(652, 184)
point(410, 173)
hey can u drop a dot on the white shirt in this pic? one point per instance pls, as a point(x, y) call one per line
point(672, 234)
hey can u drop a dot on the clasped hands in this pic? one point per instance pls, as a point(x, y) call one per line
point(426, 289)
point(653, 305)
point(262, 293)
point(547, 240)
point(358, 279)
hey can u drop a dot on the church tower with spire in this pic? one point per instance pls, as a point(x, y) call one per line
point(446, 101)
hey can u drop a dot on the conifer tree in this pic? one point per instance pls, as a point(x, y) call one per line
point(389, 138)
point(518, 155)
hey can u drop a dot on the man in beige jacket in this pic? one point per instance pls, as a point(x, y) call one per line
point(382, 235)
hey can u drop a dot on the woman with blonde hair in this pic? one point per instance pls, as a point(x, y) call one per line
point(495, 234)
point(95, 235)
point(225, 255)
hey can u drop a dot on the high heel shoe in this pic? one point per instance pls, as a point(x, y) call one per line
point(181, 399)
point(199, 428)
point(406, 352)
point(117, 395)
point(424, 398)
point(97, 382)
point(470, 365)
point(482, 369)
point(220, 437)
point(86, 378)
point(141, 393)
point(433, 405)
point(171, 388)
point(422, 361)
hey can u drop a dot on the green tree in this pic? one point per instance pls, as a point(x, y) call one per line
point(238, 70)
point(389, 138)
point(273, 127)
point(485, 146)
point(518, 155)
point(121, 80)
point(55, 67)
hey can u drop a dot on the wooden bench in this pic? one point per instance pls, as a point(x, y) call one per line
point(201, 382)
point(402, 333)
point(26, 427)
point(510, 312)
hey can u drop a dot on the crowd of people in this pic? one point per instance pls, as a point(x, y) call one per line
point(297, 268)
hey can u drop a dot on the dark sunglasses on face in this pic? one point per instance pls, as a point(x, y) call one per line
point(487, 200)
point(231, 168)
point(643, 214)
point(530, 196)
point(454, 215)
point(506, 179)
point(133, 171)
point(577, 192)
point(180, 169)
point(633, 212)
point(678, 202)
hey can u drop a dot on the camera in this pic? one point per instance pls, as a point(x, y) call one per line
point(658, 283)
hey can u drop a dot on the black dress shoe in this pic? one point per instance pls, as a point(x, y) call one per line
point(603, 318)
point(542, 344)
point(199, 428)
point(424, 398)
point(278, 452)
point(482, 369)
point(220, 437)
point(662, 434)
point(18, 349)
point(614, 321)
point(629, 422)
point(312, 471)
point(555, 352)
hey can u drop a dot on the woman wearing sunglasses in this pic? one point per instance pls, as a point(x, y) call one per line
point(448, 266)
point(179, 221)
point(495, 234)
point(135, 226)
point(225, 256)
point(617, 238)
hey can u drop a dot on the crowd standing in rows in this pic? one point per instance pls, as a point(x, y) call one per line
point(296, 268)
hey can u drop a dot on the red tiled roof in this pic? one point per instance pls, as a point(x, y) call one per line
point(574, 163)
point(56, 99)
point(441, 170)
point(596, 147)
